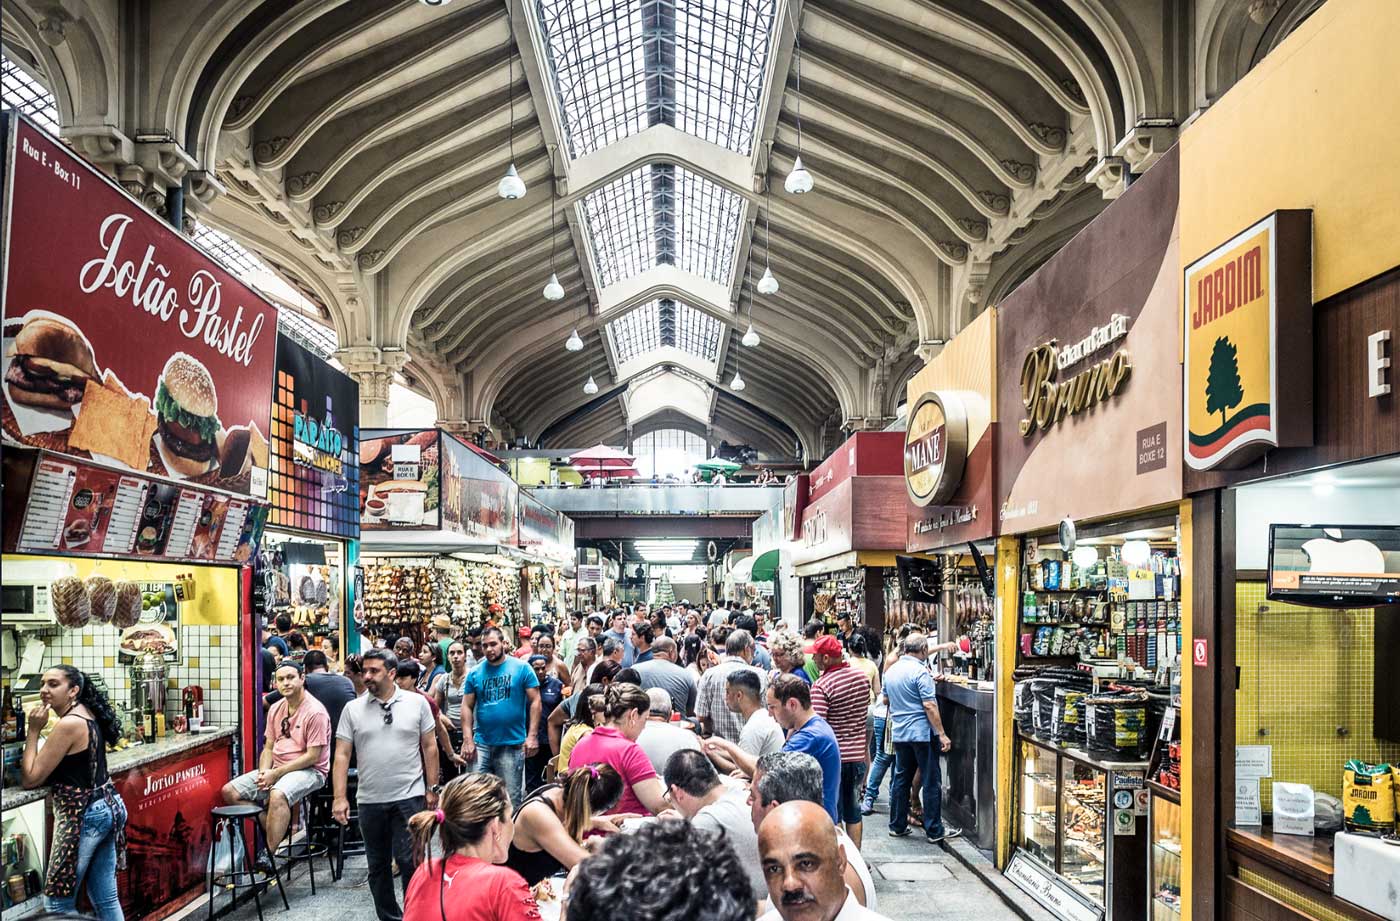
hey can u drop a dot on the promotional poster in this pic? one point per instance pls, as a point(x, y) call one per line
point(314, 480)
point(191, 400)
point(478, 500)
point(399, 479)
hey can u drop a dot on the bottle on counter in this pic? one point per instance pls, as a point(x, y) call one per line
point(148, 724)
point(13, 720)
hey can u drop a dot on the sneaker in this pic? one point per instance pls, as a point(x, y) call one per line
point(867, 806)
point(949, 832)
point(900, 833)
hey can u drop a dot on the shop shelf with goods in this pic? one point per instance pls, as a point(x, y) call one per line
point(404, 594)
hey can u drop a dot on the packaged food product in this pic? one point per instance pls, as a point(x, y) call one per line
point(102, 598)
point(127, 611)
point(71, 606)
point(1368, 797)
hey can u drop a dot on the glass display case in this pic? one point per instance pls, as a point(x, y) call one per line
point(1082, 801)
point(1078, 818)
point(1164, 856)
point(1038, 803)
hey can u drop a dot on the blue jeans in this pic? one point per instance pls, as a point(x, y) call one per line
point(908, 758)
point(880, 762)
point(97, 862)
point(506, 762)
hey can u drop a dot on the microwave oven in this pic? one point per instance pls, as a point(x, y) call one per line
point(25, 603)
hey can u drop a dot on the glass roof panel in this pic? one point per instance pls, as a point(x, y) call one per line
point(621, 66)
point(636, 333)
point(21, 92)
point(661, 214)
point(696, 332)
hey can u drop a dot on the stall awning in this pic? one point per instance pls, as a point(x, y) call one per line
point(765, 566)
point(847, 560)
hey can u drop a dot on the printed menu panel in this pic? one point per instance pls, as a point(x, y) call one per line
point(79, 508)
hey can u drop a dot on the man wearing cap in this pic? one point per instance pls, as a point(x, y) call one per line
point(841, 696)
point(526, 648)
point(442, 629)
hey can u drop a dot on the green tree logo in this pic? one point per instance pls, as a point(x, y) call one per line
point(1223, 389)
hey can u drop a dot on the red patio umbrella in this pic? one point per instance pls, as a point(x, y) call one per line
point(601, 458)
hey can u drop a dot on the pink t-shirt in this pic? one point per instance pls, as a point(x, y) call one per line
point(310, 725)
point(606, 745)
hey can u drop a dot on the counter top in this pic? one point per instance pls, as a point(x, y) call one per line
point(1300, 856)
point(125, 760)
point(966, 695)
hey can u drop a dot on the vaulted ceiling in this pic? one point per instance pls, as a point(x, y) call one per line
point(954, 144)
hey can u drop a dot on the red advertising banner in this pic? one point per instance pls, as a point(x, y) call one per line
point(478, 499)
point(167, 830)
point(123, 341)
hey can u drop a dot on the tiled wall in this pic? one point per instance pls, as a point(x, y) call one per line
point(209, 657)
point(1305, 673)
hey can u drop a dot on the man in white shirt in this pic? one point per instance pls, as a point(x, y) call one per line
point(660, 738)
point(805, 867)
point(709, 701)
point(789, 777)
point(568, 640)
point(699, 795)
point(743, 695)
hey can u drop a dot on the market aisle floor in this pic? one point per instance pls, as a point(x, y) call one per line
point(912, 878)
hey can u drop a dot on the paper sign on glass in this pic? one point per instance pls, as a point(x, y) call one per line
point(1254, 761)
point(1248, 810)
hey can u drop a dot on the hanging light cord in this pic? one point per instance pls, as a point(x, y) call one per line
point(767, 227)
point(510, 79)
point(797, 46)
point(553, 197)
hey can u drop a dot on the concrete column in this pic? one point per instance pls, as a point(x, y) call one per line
point(373, 369)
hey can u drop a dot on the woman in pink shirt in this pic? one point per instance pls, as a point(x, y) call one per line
point(614, 743)
point(473, 827)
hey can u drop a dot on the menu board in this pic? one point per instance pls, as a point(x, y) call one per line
point(122, 341)
point(83, 509)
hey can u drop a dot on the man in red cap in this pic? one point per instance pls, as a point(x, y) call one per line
point(841, 696)
point(525, 648)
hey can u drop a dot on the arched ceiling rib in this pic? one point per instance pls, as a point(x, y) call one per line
point(940, 132)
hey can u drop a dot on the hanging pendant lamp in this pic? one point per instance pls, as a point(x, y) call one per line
point(511, 186)
point(553, 291)
point(589, 387)
point(573, 343)
point(751, 338)
point(799, 181)
point(738, 383)
point(768, 284)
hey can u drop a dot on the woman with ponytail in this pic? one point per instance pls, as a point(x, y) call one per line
point(552, 822)
point(89, 830)
point(473, 830)
point(614, 743)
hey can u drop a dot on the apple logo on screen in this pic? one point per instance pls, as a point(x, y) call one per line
point(1343, 556)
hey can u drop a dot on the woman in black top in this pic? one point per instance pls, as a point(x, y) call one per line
point(89, 816)
point(552, 822)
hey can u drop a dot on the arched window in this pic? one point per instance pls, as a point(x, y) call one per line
point(668, 452)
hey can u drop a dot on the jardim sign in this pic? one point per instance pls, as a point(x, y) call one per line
point(1048, 400)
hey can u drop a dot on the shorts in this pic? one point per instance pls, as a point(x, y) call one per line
point(852, 789)
point(296, 786)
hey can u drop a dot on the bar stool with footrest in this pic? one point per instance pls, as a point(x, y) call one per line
point(308, 848)
point(343, 840)
point(230, 819)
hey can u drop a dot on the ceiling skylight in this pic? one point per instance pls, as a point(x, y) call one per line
point(661, 214)
point(621, 66)
point(665, 323)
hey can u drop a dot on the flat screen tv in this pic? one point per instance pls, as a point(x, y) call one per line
point(920, 579)
point(1334, 566)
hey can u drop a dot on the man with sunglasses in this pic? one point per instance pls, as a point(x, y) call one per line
point(384, 729)
point(295, 756)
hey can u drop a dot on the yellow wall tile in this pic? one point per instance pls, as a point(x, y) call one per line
point(214, 684)
point(109, 662)
point(192, 662)
point(216, 640)
point(87, 639)
point(1305, 673)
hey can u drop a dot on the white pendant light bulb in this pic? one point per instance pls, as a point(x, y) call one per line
point(1136, 553)
point(512, 186)
point(573, 343)
point(751, 337)
point(768, 284)
point(589, 387)
point(553, 291)
point(1084, 556)
point(799, 181)
point(737, 384)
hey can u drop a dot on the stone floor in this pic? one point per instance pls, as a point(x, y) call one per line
point(913, 879)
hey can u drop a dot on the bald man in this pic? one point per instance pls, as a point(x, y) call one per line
point(805, 867)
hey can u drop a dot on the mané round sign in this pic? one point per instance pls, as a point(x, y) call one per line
point(935, 448)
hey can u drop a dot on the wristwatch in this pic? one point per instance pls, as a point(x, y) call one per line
point(436, 788)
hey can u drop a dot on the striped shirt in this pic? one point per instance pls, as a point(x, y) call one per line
point(841, 696)
point(709, 698)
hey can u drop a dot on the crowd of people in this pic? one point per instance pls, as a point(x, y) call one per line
point(664, 761)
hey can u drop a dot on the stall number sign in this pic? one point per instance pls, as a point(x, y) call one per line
point(1050, 890)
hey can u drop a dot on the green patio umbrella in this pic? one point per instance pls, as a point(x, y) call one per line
point(718, 465)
